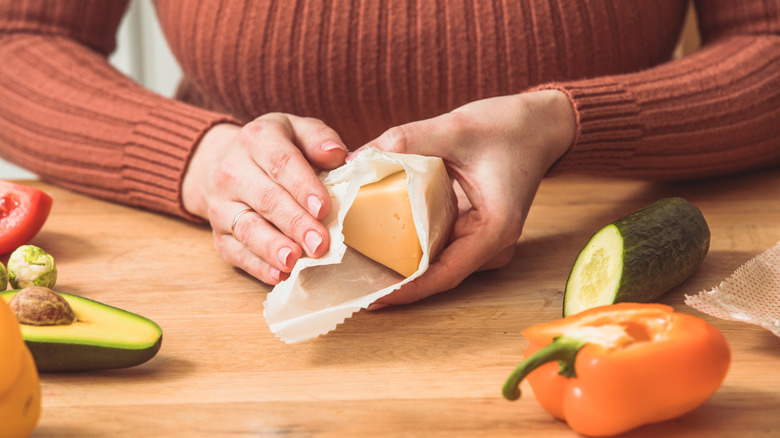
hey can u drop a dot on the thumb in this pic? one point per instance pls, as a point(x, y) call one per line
point(424, 137)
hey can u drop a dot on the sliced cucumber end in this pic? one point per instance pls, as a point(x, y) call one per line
point(595, 277)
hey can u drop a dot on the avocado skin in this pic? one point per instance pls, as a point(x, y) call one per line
point(663, 244)
point(73, 355)
point(54, 357)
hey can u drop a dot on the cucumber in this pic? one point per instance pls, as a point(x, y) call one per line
point(638, 257)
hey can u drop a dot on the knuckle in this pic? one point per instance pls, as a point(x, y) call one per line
point(213, 211)
point(275, 121)
point(244, 261)
point(452, 278)
point(396, 139)
point(257, 268)
point(247, 229)
point(279, 162)
point(298, 223)
point(454, 281)
point(275, 115)
point(224, 176)
point(457, 125)
point(251, 131)
point(309, 120)
point(268, 201)
point(505, 257)
point(516, 221)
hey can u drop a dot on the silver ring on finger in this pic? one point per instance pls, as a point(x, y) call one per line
point(235, 221)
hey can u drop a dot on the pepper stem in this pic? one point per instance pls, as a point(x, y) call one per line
point(561, 349)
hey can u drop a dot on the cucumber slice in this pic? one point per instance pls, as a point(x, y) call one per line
point(638, 257)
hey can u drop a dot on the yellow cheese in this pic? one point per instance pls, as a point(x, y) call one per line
point(380, 226)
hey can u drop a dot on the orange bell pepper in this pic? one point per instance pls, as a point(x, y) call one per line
point(610, 369)
point(20, 391)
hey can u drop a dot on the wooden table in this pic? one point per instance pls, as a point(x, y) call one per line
point(434, 368)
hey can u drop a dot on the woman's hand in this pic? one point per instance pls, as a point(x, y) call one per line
point(264, 167)
point(497, 150)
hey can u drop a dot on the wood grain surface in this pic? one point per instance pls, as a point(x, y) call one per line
point(432, 369)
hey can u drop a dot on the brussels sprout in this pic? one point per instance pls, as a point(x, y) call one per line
point(31, 266)
point(3, 277)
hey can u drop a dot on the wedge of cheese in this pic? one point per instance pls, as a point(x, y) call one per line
point(380, 226)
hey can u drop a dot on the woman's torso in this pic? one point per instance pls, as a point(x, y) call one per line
point(365, 65)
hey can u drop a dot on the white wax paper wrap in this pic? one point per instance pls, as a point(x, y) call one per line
point(751, 294)
point(321, 293)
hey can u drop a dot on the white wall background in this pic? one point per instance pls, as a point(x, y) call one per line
point(141, 53)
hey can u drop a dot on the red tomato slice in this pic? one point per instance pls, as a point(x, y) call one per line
point(23, 210)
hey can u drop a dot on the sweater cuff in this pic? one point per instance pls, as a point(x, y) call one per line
point(608, 126)
point(157, 155)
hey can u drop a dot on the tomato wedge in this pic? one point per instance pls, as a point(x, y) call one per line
point(23, 210)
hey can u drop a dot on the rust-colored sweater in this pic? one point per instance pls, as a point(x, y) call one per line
point(363, 66)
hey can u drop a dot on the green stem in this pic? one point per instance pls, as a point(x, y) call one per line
point(561, 349)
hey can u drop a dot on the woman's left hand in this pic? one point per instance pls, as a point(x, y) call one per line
point(498, 150)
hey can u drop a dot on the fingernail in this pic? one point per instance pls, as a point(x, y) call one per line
point(332, 146)
point(376, 306)
point(283, 255)
point(275, 273)
point(313, 241)
point(354, 154)
point(315, 205)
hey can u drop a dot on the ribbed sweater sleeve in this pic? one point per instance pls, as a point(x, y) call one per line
point(74, 120)
point(714, 111)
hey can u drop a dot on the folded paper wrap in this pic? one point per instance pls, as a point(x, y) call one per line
point(751, 294)
point(321, 293)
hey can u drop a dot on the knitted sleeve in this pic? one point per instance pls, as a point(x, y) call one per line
point(714, 111)
point(74, 120)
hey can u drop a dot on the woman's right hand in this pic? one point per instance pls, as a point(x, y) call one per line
point(265, 167)
point(498, 150)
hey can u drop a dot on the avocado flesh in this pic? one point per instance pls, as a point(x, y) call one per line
point(101, 337)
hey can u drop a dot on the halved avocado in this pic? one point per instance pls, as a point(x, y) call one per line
point(101, 337)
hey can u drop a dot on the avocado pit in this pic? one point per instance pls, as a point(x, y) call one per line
point(41, 306)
